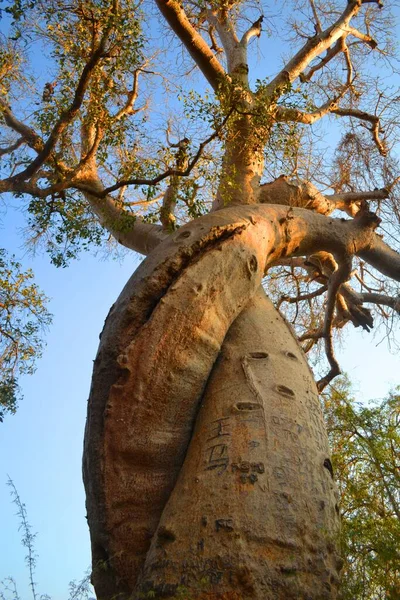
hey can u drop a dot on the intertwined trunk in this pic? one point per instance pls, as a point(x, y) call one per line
point(206, 461)
point(253, 513)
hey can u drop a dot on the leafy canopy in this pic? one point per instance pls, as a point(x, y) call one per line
point(23, 319)
point(365, 440)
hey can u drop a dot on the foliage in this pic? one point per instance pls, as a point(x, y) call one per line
point(365, 440)
point(23, 320)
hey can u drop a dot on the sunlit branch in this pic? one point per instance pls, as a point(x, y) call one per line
point(285, 114)
point(167, 213)
point(128, 108)
point(235, 51)
point(364, 116)
point(129, 230)
point(293, 299)
point(313, 48)
point(169, 172)
point(349, 64)
point(197, 47)
point(253, 31)
point(349, 201)
point(330, 54)
point(383, 258)
point(349, 197)
point(132, 97)
point(363, 37)
point(318, 27)
point(214, 44)
point(225, 29)
point(69, 114)
point(381, 299)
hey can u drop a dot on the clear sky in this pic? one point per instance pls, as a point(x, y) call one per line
point(41, 446)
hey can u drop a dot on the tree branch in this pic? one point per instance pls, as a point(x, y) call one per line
point(381, 299)
point(129, 230)
point(350, 202)
point(292, 300)
point(313, 48)
point(380, 256)
point(198, 49)
point(253, 31)
point(12, 147)
point(33, 140)
point(364, 116)
point(169, 172)
point(341, 275)
point(284, 114)
point(69, 114)
point(331, 53)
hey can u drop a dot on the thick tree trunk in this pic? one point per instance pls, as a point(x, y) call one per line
point(253, 513)
point(244, 504)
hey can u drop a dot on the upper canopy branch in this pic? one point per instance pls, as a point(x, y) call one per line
point(364, 116)
point(283, 113)
point(339, 276)
point(383, 258)
point(127, 229)
point(29, 135)
point(12, 147)
point(69, 114)
point(253, 31)
point(169, 172)
point(320, 42)
point(197, 47)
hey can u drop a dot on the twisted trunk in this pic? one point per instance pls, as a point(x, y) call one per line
point(253, 513)
point(192, 343)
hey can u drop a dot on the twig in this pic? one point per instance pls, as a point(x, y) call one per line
point(28, 537)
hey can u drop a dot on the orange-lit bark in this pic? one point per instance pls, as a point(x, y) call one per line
point(169, 329)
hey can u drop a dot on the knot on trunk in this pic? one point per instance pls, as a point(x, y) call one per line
point(296, 193)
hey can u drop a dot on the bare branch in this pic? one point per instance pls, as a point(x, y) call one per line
point(350, 202)
point(382, 258)
point(381, 299)
point(226, 32)
point(364, 116)
point(12, 147)
point(198, 49)
point(350, 197)
point(253, 31)
point(317, 24)
point(285, 114)
point(132, 97)
point(330, 54)
point(167, 214)
point(292, 300)
point(128, 229)
point(363, 37)
point(313, 48)
point(341, 275)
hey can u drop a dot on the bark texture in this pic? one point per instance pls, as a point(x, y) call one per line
point(255, 496)
point(158, 349)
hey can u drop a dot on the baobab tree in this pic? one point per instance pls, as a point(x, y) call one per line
point(206, 462)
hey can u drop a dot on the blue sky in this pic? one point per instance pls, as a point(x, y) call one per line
point(41, 446)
